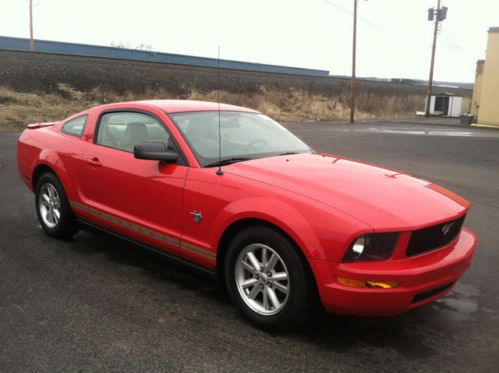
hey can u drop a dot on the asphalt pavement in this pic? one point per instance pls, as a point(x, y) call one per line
point(94, 303)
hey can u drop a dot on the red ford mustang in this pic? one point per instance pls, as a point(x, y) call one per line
point(281, 224)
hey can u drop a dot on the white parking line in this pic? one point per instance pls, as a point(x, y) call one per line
point(411, 130)
point(419, 132)
point(450, 133)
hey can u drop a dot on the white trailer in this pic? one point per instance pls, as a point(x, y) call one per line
point(447, 105)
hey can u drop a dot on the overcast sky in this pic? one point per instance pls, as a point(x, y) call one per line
point(394, 36)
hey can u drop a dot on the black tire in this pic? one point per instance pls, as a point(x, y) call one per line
point(302, 293)
point(66, 226)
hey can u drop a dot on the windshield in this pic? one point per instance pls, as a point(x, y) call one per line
point(244, 136)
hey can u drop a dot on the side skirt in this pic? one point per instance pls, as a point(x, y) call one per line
point(169, 257)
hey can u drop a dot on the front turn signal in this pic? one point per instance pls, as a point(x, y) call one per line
point(381, 284)
point(369, 284)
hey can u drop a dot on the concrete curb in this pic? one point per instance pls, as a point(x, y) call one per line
point(484, 125)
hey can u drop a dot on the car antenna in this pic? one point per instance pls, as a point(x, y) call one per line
point(219, 171)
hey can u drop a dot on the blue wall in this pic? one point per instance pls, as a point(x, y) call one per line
point(45, 46)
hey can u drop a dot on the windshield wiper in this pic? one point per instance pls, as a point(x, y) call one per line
point(288, 153)
point(227, 161)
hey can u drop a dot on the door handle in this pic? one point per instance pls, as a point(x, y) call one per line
point(93, 161)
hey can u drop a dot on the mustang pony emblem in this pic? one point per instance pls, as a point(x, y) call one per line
point(446, 228)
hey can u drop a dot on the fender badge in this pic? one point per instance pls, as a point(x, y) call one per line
point(197, 216)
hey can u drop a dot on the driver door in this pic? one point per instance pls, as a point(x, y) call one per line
point(141, 199)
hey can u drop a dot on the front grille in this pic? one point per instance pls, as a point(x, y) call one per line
point(430, 293)
point(434, 237)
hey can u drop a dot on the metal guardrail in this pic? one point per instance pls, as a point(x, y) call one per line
point(73, 49)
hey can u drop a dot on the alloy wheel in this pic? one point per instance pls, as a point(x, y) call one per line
point(262, 279)
point(49, 205)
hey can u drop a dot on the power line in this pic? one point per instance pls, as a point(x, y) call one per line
point(339, 7)
point(374, 25)
point(449, 43)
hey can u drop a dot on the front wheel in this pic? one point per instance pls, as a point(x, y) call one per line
point(268, 280)
point(52, 208)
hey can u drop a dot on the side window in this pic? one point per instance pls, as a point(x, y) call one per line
point(75, 127)
point(124, 130)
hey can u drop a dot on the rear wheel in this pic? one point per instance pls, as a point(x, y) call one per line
point(268, 280)
point(52, 208)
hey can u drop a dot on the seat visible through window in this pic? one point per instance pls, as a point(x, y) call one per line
point(135, 133)
point(124, 130)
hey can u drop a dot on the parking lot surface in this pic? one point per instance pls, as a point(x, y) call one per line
point(95, 303)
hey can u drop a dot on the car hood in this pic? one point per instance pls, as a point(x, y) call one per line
point(381, 198)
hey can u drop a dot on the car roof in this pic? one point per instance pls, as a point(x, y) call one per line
point(178, 106)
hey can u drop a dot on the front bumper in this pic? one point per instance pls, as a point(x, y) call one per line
point(421, 279)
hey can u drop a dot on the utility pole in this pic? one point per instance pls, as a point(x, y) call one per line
point(31, 40)
point(354, 55)
point(438, 14)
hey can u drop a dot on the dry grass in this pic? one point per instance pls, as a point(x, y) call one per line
point(18, 109)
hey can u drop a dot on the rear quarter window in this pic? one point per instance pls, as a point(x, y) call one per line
point(76, 126)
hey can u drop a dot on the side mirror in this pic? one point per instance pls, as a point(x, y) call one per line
point(156, 151)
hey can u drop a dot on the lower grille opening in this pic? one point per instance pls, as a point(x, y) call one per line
point(430, 293)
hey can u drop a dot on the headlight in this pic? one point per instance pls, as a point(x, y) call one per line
point(372, 246)
point(358, 247)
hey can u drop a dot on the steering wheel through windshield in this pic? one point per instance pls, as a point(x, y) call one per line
point(258, 144)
